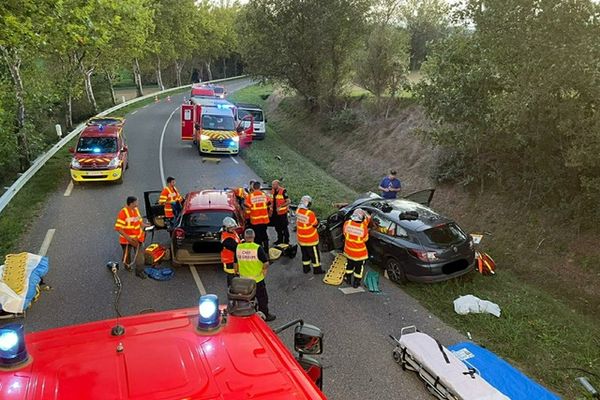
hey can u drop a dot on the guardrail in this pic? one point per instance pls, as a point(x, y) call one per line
point(41, 160)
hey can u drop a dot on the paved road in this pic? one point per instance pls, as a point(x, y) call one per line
point(357, 358)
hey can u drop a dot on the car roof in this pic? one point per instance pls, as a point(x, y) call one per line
point(225, 112)
point(248, 106)
point(160, 355)
point(210, 199)
point(101, 130)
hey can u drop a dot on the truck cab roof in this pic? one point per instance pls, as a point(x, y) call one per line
point(101, 130)
point(160, 356)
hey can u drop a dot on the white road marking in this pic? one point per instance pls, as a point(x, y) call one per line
point(194, 272)
point(160, 146)
point(234, 160)
point(133, 112)
point(146, 105)
point(46, 242)
point(69, 189)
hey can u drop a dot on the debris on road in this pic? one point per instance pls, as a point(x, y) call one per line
point(472, 304)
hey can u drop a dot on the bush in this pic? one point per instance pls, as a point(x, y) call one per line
point(345, 120)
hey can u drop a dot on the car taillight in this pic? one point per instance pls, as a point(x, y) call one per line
point(179, 234)
point(427, 256)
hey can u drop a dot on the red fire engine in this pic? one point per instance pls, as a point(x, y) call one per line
point(209, 352)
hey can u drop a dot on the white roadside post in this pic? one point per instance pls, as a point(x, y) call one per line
point(58, 131)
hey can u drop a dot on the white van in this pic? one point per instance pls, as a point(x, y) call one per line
point(260, 122)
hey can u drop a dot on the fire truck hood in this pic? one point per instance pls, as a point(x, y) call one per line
point(161, 355)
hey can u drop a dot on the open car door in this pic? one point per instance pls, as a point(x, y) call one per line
point(422, 197)
point(246, 131)
point(331, 232)
point(154, 212)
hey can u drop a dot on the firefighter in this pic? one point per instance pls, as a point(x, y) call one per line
point(230, 239)
point(308, 237)
point(130, 226)
point(356, 234)
point(279, 220)
point(247, 191)
point(257, 207)
point(171, 199)
point(251, 261)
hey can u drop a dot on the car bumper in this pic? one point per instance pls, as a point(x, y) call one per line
point(96, 175)
point(183, 256)
point(207, 147)
point(258, 135)
point(435, 273)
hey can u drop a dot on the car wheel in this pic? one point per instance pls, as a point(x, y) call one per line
point(127, 165)
point(395, 271)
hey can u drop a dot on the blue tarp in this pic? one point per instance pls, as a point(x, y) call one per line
point(34, 279)
point(500, 374)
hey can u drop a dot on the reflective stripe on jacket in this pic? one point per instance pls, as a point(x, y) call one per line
point(356, 235)
point(168, 196)
point(249, 266)
point(130, 221)
point(281, 206)
point(227, 256)
point(306, 227)
point(257, 206)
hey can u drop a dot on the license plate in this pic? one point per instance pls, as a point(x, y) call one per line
point(95, 173)
point(221, 149)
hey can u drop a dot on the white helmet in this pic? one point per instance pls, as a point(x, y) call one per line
point(358, 215)
point(305, 201)
point(229, 222)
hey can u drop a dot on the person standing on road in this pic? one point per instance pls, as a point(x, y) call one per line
point(307, 236)
point(248, 190)
point(130, 226)
point(257, 202)
point(279, 212)
point(390, 186)
point(171, 199)
point(251, 261)
point(230, 240)
point(356, 234)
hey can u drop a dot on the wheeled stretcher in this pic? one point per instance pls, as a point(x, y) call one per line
point(445, 375)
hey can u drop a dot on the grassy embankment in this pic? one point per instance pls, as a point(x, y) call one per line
point(16, 218)
point(542, 334)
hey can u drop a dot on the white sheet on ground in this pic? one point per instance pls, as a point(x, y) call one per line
point(426, 351)
point(11, 301)
point(472, 304)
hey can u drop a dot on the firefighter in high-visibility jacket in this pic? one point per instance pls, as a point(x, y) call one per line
point(356, 234)
point(307, 236)
point(279, 211)
point(171, 199)
point(257, 206)
point(229, 239)
point(130, 226)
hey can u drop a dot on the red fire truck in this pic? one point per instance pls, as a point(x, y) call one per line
point(208, 352)
point(214, 129)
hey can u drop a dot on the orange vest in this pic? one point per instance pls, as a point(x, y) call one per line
point(131, 223)
point(356, 235)
point(257, 206)
point(168, 196)
point(281, 206)
point(306, 227)
point(227, 256)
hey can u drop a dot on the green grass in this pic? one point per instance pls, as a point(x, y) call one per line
point(539, 333)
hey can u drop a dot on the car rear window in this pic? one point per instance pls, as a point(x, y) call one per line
point(219, 90)
point(445, 234)
point(206, 219)
point(97, 145)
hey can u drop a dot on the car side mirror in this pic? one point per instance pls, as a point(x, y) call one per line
point(197, 127)
point(71, 149)
point(308, 339)
point(265, 120)
point(239, 129)
point(124, 149)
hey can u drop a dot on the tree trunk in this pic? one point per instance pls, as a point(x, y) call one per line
point(13, 60)
point(178, 68)
point(208, 71)
point(113, 95)
point(137, 75)
point(89, 90)
point(224, 68)
point(159, 80)
point(69, 111)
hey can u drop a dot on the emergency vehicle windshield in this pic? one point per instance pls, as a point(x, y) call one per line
point(218, 90)
point(256, 114)
point(93, 145)
point(218, 123)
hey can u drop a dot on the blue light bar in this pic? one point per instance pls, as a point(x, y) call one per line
point(96, 150)
point(210, 315)
point(12, 345)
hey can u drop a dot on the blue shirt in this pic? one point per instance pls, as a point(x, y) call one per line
point(390, 183)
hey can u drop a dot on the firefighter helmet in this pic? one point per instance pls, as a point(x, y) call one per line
point(229, 222)
point(305, 201)
point(358, 215)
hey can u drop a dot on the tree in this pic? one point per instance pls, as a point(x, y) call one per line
point(307, 45)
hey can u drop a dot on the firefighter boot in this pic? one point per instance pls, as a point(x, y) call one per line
point(318, 271)
point(348, 278)
point(356, 282)
point(306, 268)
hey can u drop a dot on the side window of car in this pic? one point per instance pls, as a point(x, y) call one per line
point(401, 232)
point(384, 225)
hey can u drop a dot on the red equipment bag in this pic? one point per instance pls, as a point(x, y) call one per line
point(154, 253)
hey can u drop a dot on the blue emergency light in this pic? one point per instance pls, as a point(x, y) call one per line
point(210, 315)
point(96, 150)
point(12, 345)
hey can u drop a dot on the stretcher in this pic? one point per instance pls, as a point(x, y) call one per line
point(335, 273)
point(444, 374)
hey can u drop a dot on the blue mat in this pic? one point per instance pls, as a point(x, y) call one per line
point(500, 374)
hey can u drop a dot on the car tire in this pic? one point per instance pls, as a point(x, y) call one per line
point(395, 271)
point(127, 165)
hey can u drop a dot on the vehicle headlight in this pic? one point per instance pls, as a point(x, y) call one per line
point(75, 164)
point(204, 137)
point(235, 138)
point(114, 163)
point(208, 308)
